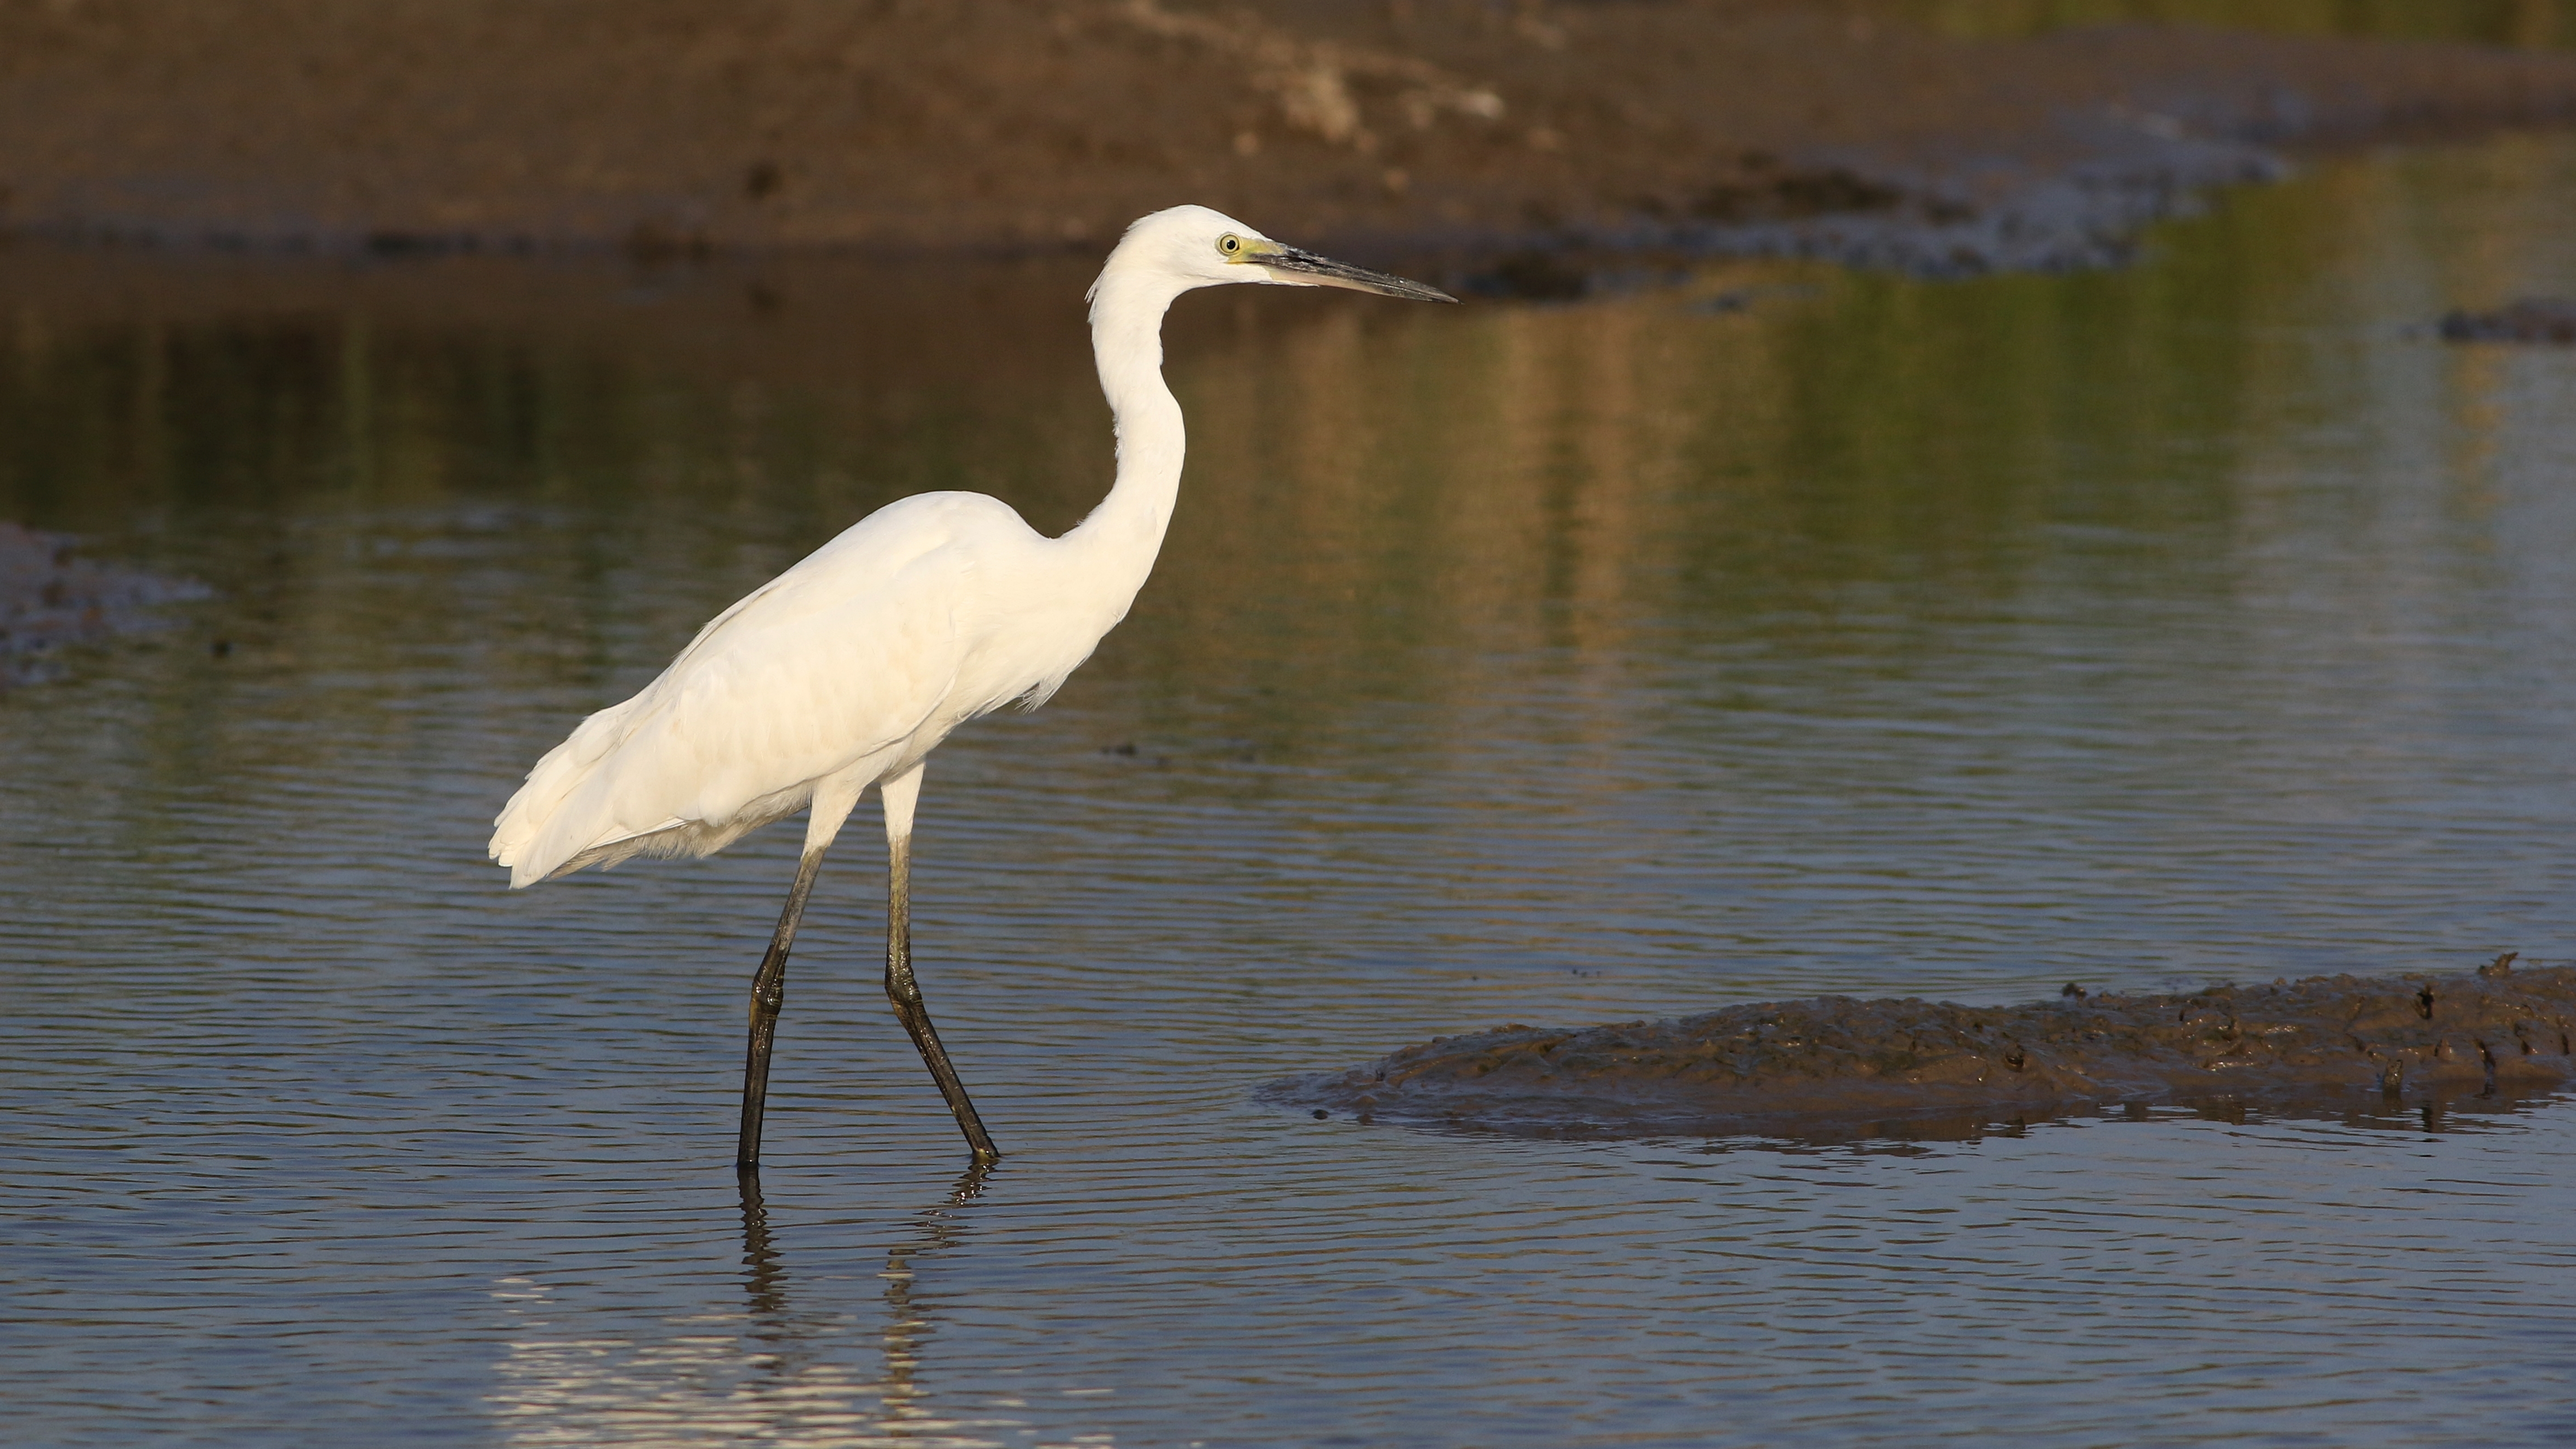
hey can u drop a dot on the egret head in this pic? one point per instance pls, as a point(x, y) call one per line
point(1191, 246)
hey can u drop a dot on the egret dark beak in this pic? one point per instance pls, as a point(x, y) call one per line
point(1308, 269)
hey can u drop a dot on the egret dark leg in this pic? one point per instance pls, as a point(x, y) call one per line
point(905, 993)
point(768, 993)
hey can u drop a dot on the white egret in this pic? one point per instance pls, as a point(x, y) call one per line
point(847, 669)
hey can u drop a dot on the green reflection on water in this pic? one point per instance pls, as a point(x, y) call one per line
point(2215, 523)
point(1357, 473)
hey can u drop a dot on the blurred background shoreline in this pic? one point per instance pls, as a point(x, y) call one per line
point(1937, 136)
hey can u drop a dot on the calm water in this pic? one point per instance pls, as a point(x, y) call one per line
point(1792, 632)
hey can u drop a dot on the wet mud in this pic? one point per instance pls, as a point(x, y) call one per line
point(1837, 1068)
point(51, 600)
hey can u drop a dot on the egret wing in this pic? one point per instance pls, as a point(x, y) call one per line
point(854, 652)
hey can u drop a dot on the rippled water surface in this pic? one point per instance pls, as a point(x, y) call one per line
point(1788, 632)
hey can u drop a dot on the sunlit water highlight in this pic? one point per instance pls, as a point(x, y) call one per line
point(1538, 664)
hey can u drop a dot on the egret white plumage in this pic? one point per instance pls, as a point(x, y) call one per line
point(849, 668)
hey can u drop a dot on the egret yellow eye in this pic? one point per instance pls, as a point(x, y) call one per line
point(1230, 244)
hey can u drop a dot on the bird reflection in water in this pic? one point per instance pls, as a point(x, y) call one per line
point(778, 1374)
point(902, 1404)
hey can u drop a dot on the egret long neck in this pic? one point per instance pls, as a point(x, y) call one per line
point(1126, 530)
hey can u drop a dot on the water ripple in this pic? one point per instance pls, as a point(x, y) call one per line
point(2192, 621)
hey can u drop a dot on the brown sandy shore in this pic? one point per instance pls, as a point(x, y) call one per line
point(1835, 1067)
point(1710, 126)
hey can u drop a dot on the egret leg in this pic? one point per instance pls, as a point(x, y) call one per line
point(832, 802)
point(898, 796)
point(768, 994)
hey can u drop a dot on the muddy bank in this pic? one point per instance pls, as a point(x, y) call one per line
point(50, 600)
point(1855, 132)
point(1836, 1067)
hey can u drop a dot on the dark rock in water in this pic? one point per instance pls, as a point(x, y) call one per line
point(2534, 319)
point(1835, 1067)
point(49, 599)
